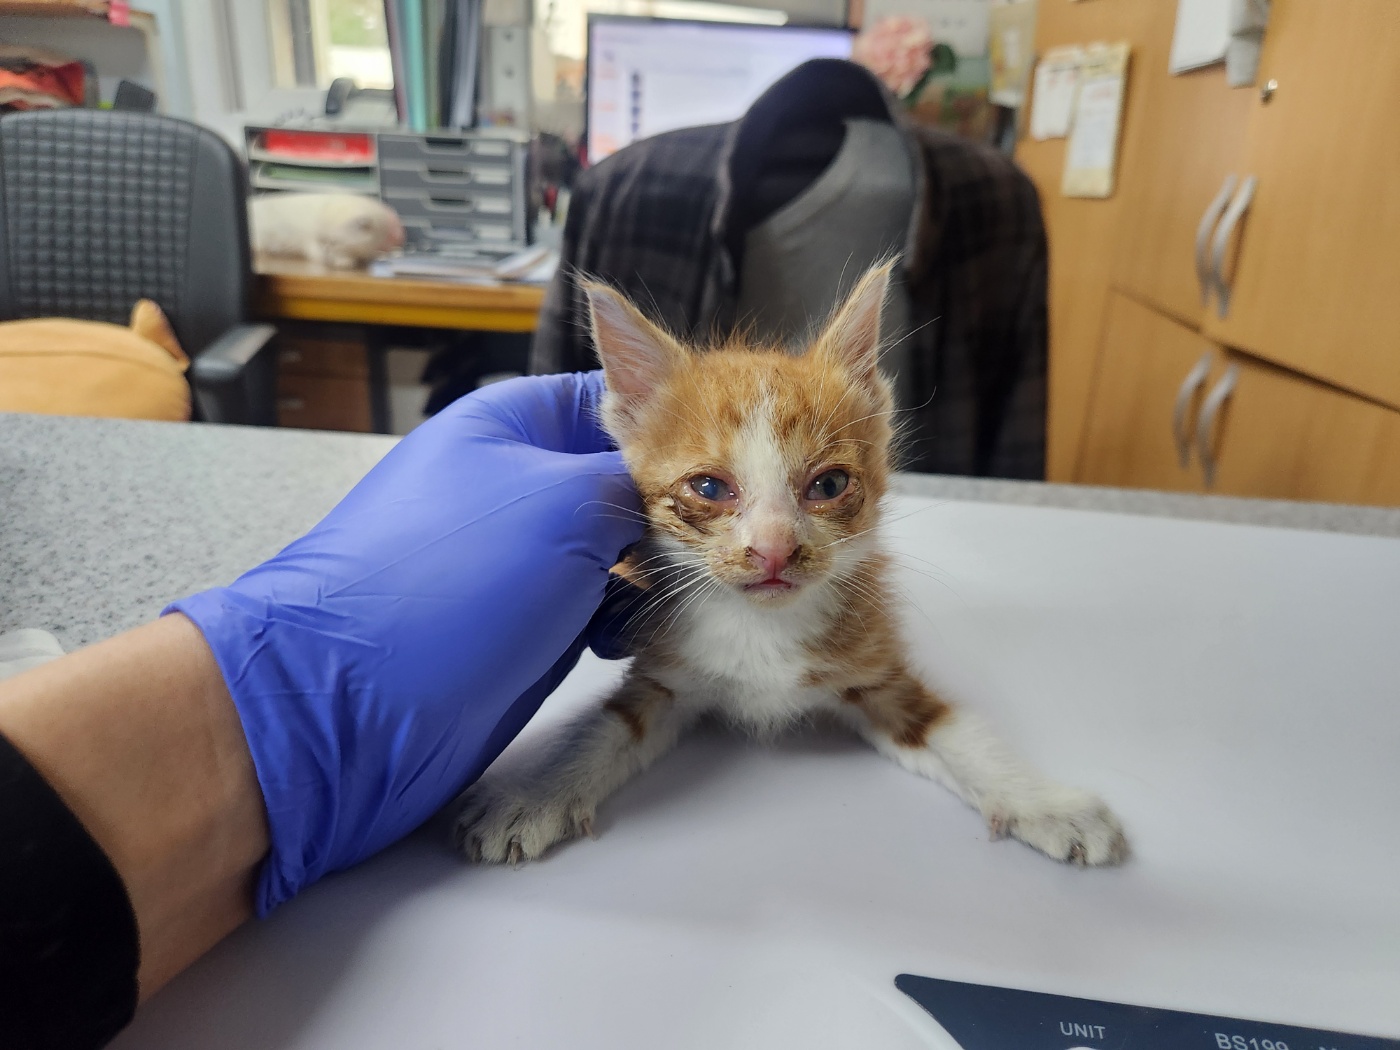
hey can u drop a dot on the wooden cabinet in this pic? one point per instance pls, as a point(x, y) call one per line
point(1282, 436)
point(1316, 279)
point(1172, 410)
point(1151, 375)
point(1184, 168)
point(1301, 394)
point(323, 379)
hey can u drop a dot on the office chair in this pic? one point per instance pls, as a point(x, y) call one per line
point(98, 210)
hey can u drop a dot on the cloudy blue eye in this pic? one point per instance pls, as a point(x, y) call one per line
point(711, 488)
point(828, 485)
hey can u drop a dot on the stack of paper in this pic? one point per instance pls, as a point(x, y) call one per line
point(535, 265)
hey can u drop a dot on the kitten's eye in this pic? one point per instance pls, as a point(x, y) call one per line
point(827, 485)
point(711, 488)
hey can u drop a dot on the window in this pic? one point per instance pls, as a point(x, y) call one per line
point(317, 41)
point(287, 52)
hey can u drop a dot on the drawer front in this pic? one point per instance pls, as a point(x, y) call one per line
point(464, 233)
point(322, 357)
point(445, 177)
point(1282, 435)
point(1134, 434)
point(435, 149)
point(1246, 427)
point(449, 204)
point(488, 219)
point(323, 403)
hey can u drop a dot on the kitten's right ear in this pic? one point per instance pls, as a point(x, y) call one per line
point(851, 338)
point(637, 355)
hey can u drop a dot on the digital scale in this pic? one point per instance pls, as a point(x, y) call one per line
point(1231, 692)
point(982, 1018)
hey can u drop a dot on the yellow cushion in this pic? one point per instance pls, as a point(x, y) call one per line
point(86, 368)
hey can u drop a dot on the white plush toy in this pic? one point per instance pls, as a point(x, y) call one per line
point(339, 230)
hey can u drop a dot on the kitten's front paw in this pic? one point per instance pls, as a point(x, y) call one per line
point(504, 825)
point(1066, 824)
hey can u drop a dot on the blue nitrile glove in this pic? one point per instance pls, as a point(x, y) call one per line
point(382, 661)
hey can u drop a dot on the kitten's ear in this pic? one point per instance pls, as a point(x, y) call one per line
point(637, 355)
point(851, 338)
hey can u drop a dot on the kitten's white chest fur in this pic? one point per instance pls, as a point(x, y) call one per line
point(750, 662)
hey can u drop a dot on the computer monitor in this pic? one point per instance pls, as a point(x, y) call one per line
point(649, 75)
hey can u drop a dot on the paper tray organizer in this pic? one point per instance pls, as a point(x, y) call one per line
point(448, 187)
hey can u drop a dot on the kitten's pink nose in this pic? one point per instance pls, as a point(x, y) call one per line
point(772, 558)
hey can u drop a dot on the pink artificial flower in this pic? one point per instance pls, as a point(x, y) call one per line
point(896, 49)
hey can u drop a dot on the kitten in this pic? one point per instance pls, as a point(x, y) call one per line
point(339, 230)
point(762, 475)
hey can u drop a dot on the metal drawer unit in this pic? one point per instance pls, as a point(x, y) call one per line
point(458, 187)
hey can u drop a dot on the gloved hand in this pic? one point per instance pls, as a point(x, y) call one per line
point(382, 661)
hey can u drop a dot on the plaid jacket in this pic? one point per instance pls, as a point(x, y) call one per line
point(656, 221)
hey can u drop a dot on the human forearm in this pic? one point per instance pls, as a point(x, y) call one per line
point(140, 739)
point(328, 701)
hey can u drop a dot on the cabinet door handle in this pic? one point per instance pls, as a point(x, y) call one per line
point(1208, 220)
point(1205, 426)
point(1181, 429)
point(1237, 208)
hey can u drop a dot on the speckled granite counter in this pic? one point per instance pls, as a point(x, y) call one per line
point(102, 522)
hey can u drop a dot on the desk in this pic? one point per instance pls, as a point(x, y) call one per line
point(336, 392)
point(295, 290)
point(1229, 688)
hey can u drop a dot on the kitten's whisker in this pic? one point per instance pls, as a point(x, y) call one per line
point(664, 557)
point(660, 604)
point(914, 557)
point(826, 420)
point(697, 586)
point(912, 332)
point(911, 513)
point(889, 412)
point(697, 593)
point(628, 514)
point(853, 536)
point(673, 578)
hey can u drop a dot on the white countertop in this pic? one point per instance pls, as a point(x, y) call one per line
point(1230, 690)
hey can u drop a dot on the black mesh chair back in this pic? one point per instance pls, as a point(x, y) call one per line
point(100, 209)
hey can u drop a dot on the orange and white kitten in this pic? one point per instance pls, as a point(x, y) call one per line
point(762, 474)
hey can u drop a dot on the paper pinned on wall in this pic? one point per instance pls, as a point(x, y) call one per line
point(1092, 154)
point(1202, 34)
point(1052, 101)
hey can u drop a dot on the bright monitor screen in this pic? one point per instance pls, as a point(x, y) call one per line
point(649, 75)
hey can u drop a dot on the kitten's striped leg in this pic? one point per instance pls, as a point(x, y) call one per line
point(556, 799)
point(907, 722)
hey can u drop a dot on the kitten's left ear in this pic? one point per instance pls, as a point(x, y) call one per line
point(851, 338)
point(637, 355)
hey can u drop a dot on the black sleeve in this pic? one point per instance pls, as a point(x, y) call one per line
point(69, 948)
